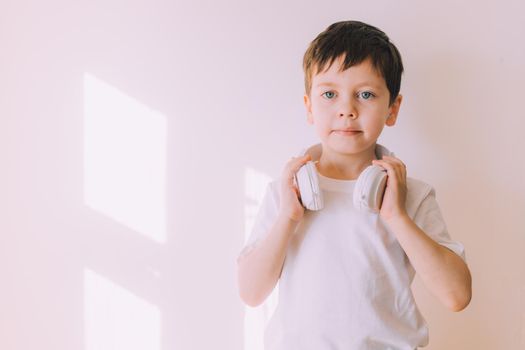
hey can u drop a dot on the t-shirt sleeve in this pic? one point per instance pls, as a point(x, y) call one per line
point(428, 218)
point(265, 218)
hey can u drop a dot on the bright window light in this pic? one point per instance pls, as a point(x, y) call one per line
point(256, 319)
point(124, 159)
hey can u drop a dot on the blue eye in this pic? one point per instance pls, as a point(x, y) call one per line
point(329, 92)
point(366, 95)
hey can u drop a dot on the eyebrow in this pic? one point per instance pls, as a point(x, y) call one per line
point(327, 83)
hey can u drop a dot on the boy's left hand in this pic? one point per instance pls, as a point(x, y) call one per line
point(396, 188)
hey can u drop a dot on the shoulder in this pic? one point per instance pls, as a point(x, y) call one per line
point(417, 191)
point(418, 187)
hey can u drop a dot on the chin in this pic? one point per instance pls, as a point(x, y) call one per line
point(348, 147)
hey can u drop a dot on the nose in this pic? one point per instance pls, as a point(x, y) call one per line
point(347, 110)
point(351, 115)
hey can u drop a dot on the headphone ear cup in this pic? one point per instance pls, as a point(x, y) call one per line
point(370, 188)
point(307, 181)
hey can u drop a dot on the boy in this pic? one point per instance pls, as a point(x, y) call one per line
point(344, 275)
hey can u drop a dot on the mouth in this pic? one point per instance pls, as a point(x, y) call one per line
point(347, 132)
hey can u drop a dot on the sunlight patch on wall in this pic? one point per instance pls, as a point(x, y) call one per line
point(124, 159)
point(256, 319)
point(114, 318)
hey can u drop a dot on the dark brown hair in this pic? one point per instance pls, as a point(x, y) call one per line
point(357, 41)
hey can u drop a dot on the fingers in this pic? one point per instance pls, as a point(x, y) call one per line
point(293, 166)
point(393, 165)
point(398, 166)
point(296, 162)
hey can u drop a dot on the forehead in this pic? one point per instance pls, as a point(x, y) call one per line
point(363, 73)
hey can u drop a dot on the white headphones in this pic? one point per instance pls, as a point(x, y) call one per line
point(368, 191)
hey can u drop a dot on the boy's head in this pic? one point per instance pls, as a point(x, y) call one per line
point(356, 42)
point(352, 82)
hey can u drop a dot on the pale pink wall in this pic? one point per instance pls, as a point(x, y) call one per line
point(223, 82)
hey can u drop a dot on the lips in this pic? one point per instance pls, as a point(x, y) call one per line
point(348, 132)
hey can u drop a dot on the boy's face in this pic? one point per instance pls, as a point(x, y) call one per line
point(355, 99)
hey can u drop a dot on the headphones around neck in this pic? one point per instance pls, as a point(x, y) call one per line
point(368, 191)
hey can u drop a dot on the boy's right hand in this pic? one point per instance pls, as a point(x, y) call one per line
point(290, 207)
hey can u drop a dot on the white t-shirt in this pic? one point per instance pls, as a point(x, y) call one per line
point(346, 280)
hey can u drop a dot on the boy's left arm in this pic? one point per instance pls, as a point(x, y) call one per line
point(441, 270)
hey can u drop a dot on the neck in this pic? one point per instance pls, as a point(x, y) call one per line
point(344, 166)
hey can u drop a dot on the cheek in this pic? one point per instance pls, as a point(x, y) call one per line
point(375, 126)
point(322, 107)
point(322, 126)
point(322, 122)
point(372, 120)
point(319, 115)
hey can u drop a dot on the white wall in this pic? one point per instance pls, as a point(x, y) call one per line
point(128, 129)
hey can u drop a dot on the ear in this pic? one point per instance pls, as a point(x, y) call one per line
point(308, 105)
point(393, 111)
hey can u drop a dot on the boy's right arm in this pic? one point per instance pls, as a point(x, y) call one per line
point(259, 269)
